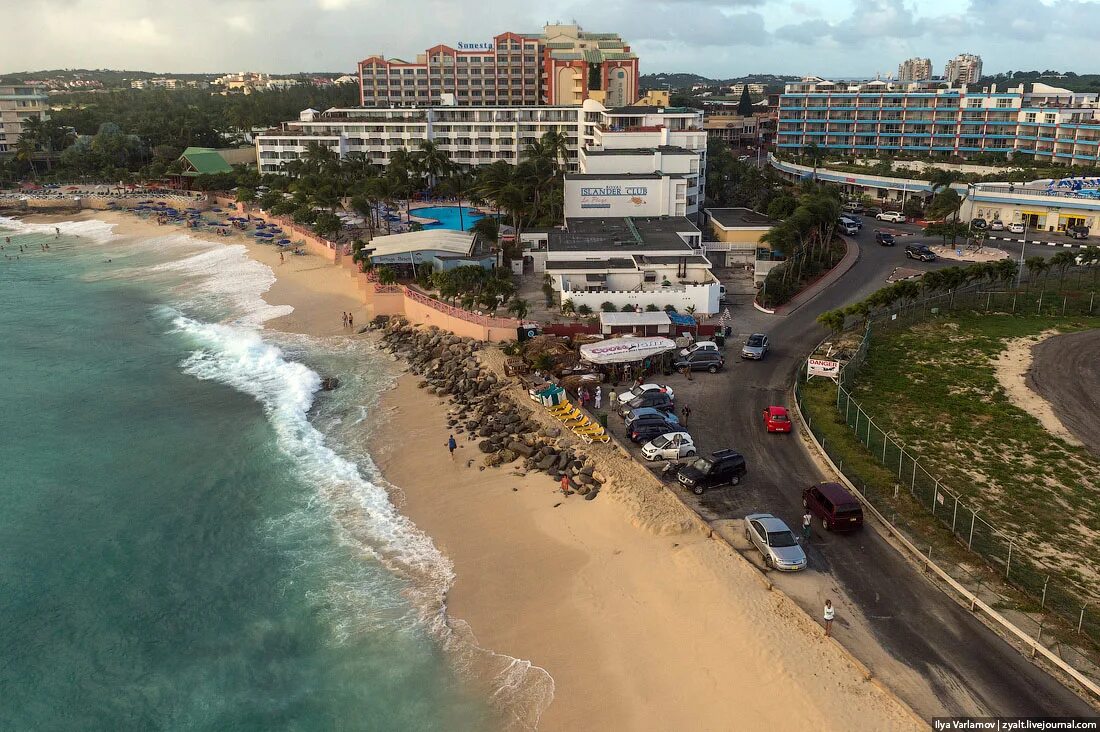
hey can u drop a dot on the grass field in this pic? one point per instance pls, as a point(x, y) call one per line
point(932, 387)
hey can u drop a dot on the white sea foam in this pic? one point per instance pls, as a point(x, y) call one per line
point(225, 273)
point(98, 231)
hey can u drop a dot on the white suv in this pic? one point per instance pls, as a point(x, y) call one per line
point(896, 216)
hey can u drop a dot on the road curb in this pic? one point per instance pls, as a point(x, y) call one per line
point(826, 280)
point(974, 602)
point(1041, 242)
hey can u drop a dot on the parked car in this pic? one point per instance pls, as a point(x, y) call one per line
point(1077, 232)
point(670, 446)
point(848, 227)
point(979, 223)
point(853, 207)
point(776, 419)
point(852, 219)
point(650, 412)
point(756, 347)
point(711, 361)
point(743, 158)
point(896, 216)
point(884, 239)
point(775, 541)
point(627, 396)
point(647, 428)
point(838, 509)
point(657, 399)
point(919, 251)
point(725, 467)
point(699, 346)
point(1016, 228)
point(996, 225)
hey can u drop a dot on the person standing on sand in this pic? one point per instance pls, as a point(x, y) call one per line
point(282, 259)
point(806, 519)
point(565, 485)
point(829, 613)
point(345, 318)
point(351, 320)
point(451, 446)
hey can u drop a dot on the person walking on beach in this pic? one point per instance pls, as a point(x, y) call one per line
point(282, 258)
point(565, 485)
point(452, 445)
point(599, 396)
point(345, 318)
point(351, 320)
point(829, 613)
point(806, 519)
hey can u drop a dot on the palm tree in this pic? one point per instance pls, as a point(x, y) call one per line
point(519, 307)
point(432, 161)
point(25, 148)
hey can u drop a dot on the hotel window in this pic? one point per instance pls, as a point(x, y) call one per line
point(1004, 103)
point(974, 103)
point(1049, 118)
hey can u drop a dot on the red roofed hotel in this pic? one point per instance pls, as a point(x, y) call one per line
point(562, 65)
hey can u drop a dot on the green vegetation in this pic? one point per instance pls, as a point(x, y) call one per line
point(933, 388)
point(471, 286)
point(808, 239)
point(733, 183)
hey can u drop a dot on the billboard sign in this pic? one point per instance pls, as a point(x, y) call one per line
point(822, 367)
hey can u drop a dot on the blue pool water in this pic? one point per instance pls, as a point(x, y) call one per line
point(447, 217)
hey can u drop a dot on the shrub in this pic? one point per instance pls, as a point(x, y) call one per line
point(651, 308)
point(608, 307)
point(628, 308)
point(584, 310)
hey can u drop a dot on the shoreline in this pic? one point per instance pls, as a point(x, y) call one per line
point(640, 625)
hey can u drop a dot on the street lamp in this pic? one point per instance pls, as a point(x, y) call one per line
point(1023, 248)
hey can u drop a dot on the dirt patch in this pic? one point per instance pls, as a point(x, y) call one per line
point(1011, 368)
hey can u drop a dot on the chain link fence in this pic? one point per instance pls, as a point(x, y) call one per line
point(915, 499)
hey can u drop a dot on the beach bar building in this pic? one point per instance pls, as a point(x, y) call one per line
point(444, 249)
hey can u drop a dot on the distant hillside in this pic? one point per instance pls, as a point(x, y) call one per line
point(680, 81)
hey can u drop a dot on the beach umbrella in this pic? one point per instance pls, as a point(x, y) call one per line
point(259, 235)
point(216, 210)
point(284, 241)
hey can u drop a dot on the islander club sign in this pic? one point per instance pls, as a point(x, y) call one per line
point(475, 46)
point(599, 197)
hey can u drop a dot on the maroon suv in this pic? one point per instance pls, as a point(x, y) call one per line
point(834, 505)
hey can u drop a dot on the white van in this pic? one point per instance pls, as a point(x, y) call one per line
point(700, 346)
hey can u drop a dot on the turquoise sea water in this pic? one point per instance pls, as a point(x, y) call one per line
point(191, 536)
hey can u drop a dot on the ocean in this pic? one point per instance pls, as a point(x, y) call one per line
point(192, 535)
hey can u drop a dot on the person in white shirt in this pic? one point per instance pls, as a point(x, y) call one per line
point(829, 613)
point(806, 519)
point(599, 396)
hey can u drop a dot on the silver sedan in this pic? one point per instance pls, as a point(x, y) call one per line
point(775, 541)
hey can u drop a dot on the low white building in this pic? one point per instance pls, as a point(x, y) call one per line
point(642, 262)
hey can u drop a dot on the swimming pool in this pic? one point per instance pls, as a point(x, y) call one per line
point(447, 217)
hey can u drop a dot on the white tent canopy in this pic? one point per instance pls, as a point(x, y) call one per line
point(625, 350)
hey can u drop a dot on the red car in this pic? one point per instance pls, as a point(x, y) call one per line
point(776, 419)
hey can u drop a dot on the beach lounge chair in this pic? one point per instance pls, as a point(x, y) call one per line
point(584, 437)
point(562, 408)
point(591, 428)
point(577, 421)
point(570, 414)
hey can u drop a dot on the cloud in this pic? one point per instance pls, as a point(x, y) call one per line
point(720, 38)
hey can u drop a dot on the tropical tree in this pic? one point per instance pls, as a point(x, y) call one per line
point(519, 307)
point(327, 224)
point(386, 276)
point(744, 105)
point(431, 162)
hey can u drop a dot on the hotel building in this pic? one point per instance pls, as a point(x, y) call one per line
point(966, 68)
point(18, 103)
point(1033, 121)
point(608, 148)
point(914, 69)
point(562, 65)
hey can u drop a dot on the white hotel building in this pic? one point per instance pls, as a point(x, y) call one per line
point(1032, 121)
point(609, 148)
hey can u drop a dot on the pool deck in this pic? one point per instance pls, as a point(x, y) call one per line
point(428, 220)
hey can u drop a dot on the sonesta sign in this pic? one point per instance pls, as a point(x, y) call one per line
point(475, 46)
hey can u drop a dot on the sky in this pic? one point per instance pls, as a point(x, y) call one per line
point(713, 38)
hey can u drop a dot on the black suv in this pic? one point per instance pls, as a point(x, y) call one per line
point(1077, 232)
point(721, 468)
point(652, 398)
point(644, 429)
point(886, 240)
point(980, 224)
point(700, 360)
point(920, 251)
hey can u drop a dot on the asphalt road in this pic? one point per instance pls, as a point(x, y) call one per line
point(912, 629)
point(1065, 372)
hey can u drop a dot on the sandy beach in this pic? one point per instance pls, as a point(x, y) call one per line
point(641, 626)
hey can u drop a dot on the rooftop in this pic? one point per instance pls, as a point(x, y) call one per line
point(634, 234)
point(619, 176)
point(734, 218)
point(440, 240)
point(665, 149)
point(653, 110)
point(630, 319)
